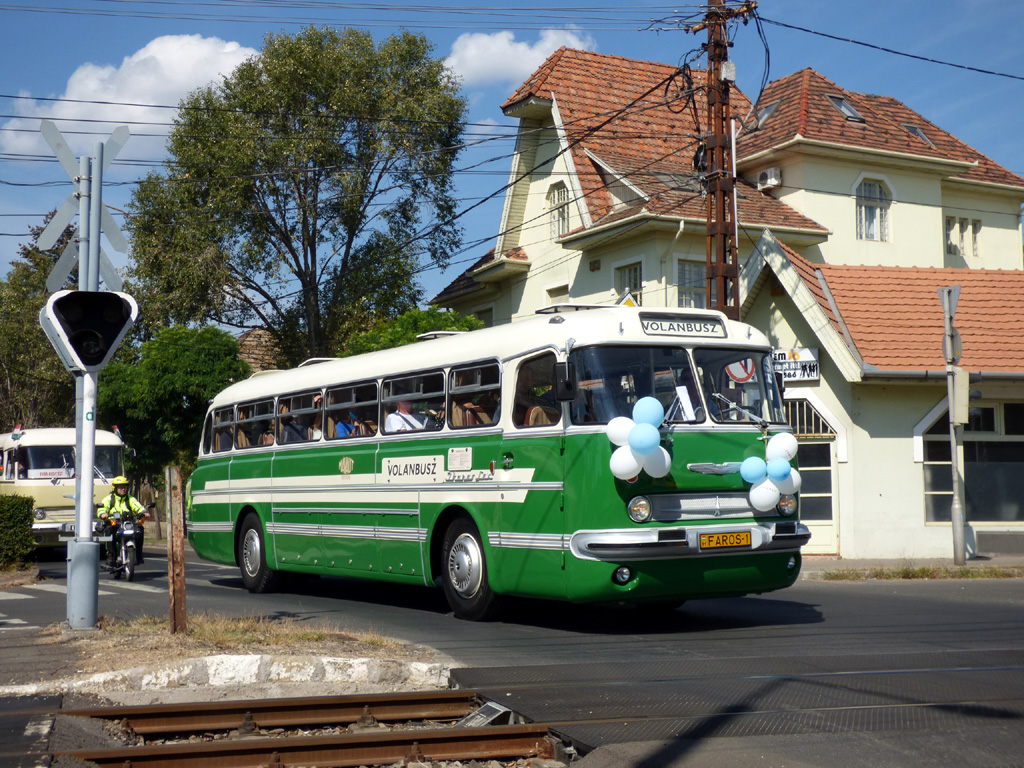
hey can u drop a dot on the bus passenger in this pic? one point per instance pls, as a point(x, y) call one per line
point(404, 420)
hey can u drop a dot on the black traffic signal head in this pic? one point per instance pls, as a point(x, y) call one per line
point(85, 327)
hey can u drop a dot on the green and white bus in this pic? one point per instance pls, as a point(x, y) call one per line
point(496, 462)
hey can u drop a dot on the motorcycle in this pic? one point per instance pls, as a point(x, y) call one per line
point(122, 533)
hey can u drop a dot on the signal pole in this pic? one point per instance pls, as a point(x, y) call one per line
point(722, 268)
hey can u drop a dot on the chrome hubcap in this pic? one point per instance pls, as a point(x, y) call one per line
point(251, 552)
point(465, 565)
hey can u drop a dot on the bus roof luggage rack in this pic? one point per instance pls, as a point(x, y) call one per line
point(556, 308)
point(436, 335)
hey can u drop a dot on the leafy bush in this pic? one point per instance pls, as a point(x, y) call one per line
point(16, 545)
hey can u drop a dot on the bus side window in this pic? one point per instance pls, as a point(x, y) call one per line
point(474, 396)
point(223, 426)
point(414, 403)
point(535, 404)
point(351, 411)
point(208, 434)
point(297, 417)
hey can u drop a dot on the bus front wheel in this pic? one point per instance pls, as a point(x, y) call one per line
point(465, 573)
point(252, 557)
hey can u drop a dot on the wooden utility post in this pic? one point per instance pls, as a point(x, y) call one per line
point(176, 550)
point(722, 266)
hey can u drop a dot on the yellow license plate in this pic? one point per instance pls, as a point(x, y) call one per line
point(722, 540)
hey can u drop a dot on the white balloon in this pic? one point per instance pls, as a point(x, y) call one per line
point(791, 484)
point(764, 495)
point(781, 446)
point(658, 463)
point(624, 464)
point(618, 429)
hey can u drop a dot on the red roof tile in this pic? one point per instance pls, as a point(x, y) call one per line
point(894, 314)
point(805, 110)
point(631, 115)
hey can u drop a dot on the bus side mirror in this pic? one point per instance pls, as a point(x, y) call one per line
point(565, 381)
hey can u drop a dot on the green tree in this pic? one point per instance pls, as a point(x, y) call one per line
point(402, 330)
point(35, 388)
point(158, 395)
point(306, 188)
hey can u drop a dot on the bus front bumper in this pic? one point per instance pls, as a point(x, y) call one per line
point(688, 541)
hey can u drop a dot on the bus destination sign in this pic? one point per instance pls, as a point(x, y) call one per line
point(670, 325)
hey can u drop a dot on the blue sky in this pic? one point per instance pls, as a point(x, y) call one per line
point(96, 51)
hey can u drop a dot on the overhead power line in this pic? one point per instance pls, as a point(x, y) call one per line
point(892, 50)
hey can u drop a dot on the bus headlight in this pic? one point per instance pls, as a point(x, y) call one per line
point(639, 509)
point(40, 514)
point(786, 505)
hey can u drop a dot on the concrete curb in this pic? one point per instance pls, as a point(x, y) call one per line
point(248, 670)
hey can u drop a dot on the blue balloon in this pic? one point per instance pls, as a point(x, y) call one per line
point(779, 469)
point(753, 469)
point(648, 410)
point(644, 439)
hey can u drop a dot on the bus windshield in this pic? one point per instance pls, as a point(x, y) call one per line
point(737, 384)
point(58, 461)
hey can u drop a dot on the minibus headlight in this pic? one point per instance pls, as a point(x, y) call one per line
point(40, 514)
point(639, 509)
point(787, 505)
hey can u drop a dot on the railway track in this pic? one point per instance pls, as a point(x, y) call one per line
point(380, 729)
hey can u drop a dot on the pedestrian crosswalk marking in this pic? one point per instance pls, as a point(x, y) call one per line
point(9, 595)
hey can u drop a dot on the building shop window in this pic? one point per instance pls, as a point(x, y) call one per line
point(815, 437)
point(692, 282)
point(873, 200)
point(993, 466)
point(558, 209)
point(630, 279)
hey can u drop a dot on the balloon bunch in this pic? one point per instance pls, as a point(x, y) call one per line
point(639, 442)
point(771, 476)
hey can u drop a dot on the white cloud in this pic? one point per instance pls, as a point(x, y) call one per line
point(161, 73)
point(499, 59)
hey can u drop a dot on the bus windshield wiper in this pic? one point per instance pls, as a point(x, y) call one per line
point(730, 406)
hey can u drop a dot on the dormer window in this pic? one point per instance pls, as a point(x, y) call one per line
point(558, 209)
point(873, 200)
point(846, 108)
point(915, 130)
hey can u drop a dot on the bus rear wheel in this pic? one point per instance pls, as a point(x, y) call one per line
point(252, 557)
point(464, 575)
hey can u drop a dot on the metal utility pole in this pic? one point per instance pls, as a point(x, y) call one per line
point(957, 394)
point(722, 264)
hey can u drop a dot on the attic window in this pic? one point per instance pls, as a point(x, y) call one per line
point(558, 209)
point(767, 112)
point(914, 130)
point(846, 108)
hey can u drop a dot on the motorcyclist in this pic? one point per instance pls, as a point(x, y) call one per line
point(117, 504)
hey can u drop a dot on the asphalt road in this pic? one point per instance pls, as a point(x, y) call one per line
point(901, 673)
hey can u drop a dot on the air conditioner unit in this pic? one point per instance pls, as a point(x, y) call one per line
point(769, 178)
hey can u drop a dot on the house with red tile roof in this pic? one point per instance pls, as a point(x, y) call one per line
point(853, 211)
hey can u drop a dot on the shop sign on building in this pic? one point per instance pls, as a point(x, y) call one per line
point(799, 364)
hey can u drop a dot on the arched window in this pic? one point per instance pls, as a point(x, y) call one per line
point(873, 200)
point(558, 209)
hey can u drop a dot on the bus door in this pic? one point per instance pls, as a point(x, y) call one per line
point(527, 540)
point(299, 474)
point(411, 461)
point(347, 517)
